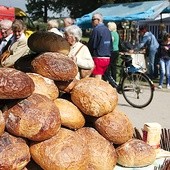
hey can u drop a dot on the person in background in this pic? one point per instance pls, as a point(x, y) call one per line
point(52, 26)
point(165, 61)
point(100, 45)
point(78, 51)
point(18, 47)
point(6, 33)
point(68, 22)
point(162, 32)
point(115, 53)
point(148, 41)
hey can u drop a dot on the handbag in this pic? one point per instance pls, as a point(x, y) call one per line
point(84, 72)
point(4, 56)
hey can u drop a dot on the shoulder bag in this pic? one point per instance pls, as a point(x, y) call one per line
point(84, 72)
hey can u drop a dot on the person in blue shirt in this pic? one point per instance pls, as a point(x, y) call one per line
point(149, 41)
point(164, 61)
point(100, 45)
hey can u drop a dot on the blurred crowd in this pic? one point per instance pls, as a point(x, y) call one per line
point(100, 54)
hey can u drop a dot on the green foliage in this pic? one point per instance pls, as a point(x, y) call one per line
point(38, 9)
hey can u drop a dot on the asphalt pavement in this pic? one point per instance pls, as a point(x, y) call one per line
point(157, 111)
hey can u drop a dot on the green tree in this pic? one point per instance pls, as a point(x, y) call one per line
point(38, 9)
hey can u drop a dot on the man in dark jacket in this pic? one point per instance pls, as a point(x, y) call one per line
point(100, 45)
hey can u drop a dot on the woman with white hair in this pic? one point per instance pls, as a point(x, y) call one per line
point(52, 26)
point(115, 53)
point(78, 51)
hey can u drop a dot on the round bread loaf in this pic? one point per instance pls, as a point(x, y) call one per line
point(2, 123)
point(36, 118)
point(71, 116)
point(55, 66)
point(48, 42)
point(102, 153)
point(44, 86)
point(15, 84)
point(115, 126)
point(14, 152)
point(135, 153)
point(66, 150)
point(94, 97)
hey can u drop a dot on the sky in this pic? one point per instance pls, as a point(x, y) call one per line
point(21, 4)
point(14, 3)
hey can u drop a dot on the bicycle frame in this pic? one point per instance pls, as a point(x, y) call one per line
point(125, 71)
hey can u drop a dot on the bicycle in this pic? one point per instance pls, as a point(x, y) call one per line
point(136, 87)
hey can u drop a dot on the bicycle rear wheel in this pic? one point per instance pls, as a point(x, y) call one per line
point(137, 89)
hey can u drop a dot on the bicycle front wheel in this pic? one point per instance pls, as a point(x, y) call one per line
point(137, 89)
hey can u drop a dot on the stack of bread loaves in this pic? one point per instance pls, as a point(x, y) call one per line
point(81, 129)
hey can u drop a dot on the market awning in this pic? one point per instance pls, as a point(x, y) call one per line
point(134, 11)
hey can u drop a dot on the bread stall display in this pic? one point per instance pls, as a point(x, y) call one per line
point(68, 124)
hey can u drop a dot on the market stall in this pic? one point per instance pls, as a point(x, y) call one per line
point(127, 17)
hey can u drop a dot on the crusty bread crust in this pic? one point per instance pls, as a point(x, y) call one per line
point(15, 84)
point(135, 153)
point(55, 66)
point(36, 118)
point(94, 97)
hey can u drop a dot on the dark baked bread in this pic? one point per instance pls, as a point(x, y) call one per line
point(15, 84)
point(36, 118)
point(94, 97)
point(55, 66)
point(44, 85)
point(24, 63)
point(66, 150)
point(14, 152)
point(102, 154)
point(48, 42)
point(115, 126)
point(135, 153)
point(71, 116)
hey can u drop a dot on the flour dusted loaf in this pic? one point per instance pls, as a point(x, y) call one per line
point(14, 152)
point(115, 126)
point(65, 150)
point(36, 118)
point(102, 154)
point(44, 85)
point(55, 66)
point(94, 97)
point(71, 116)
point(15, 84)
point(135, 153)
point(48, 42)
